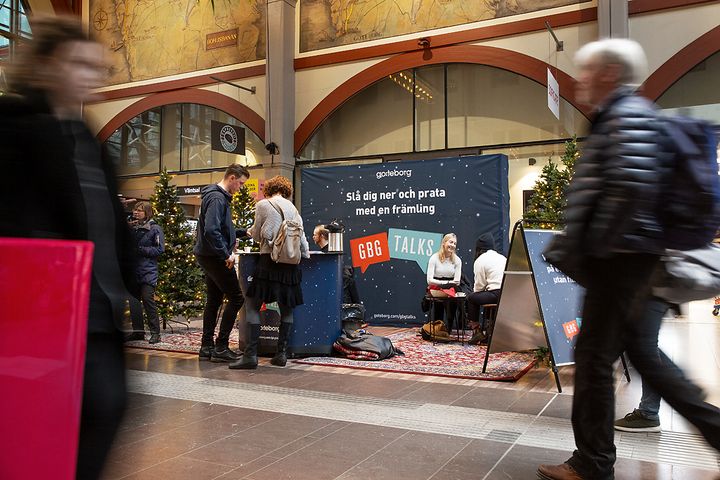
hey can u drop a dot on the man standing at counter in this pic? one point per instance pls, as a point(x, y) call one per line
point(214, 247)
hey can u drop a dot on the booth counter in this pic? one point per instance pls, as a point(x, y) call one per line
point(316, 323)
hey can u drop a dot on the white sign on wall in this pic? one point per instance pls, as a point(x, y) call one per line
point(553, 95)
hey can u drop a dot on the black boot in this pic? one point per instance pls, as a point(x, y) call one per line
point(249, 359)
point(280, 358)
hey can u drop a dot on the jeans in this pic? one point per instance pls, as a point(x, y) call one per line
point(475, 302)
point(220, 281)
point(617, 317)
point(650, 400)
point(147, 296)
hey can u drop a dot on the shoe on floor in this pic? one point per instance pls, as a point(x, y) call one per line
point(130, 337)
point(224, 355)
point(154, 338)
point(477, 337)
point(205, 353)
point(637, 422)
point(558, 472)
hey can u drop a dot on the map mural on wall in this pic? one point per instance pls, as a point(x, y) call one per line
point(331, 23)
point(155, 38)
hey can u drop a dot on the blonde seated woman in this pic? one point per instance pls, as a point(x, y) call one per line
point(444, 270)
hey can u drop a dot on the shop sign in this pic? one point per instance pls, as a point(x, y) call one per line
point(227, 138)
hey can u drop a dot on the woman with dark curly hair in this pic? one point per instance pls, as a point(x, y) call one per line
point(272, 282)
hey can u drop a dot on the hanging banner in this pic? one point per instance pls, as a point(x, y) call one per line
point(553, 94)
point(395, 215)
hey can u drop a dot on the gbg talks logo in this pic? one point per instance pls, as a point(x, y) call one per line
point(228, 138)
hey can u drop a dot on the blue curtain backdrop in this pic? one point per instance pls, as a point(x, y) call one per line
point(414, 203)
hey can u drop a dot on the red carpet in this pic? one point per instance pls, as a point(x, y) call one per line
point(441, 359)
point(421, 357)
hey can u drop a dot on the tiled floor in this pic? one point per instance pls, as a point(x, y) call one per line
point(199, 420)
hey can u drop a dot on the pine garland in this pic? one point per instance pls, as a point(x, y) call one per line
point(181, 288)
point(547, 205)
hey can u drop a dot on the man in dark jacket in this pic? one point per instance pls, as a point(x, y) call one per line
point(216, 236)
point(614, 235)
point(73, 196)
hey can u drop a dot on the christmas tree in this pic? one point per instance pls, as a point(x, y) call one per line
point(547, 205)
point(181, 289)
point(243, 214)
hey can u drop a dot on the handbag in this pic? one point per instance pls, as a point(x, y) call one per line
point(688, 275)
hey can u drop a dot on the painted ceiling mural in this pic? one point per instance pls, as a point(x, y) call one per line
point(154, 38)
point(331, 23)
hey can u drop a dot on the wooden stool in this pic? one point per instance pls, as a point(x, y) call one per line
point(489, 313)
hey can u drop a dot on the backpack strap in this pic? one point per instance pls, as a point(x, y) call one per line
point(278, 209)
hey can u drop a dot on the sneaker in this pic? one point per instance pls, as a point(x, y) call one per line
point(224, 355)
point(154, 338)
point(637, 422)
point(205, 353)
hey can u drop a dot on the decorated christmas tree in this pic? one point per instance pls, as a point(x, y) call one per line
point(243, 213)
point(547, 205)
point(181, 290)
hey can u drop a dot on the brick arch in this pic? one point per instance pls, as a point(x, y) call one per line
point(682, 62)
point(519, 63)
point(187, 95)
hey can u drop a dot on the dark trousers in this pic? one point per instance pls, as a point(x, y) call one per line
point(147, 296)
point(220, 281)
point(614, 320)
point(103, 403)
point(475, 302)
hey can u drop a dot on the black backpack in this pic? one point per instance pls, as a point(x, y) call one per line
point(690, 208)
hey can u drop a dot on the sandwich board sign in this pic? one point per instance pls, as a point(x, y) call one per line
point(539, 305)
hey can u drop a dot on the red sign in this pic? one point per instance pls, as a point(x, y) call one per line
point(571, 329)
point(368, 250)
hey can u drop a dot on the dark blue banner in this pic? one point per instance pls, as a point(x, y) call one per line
point(395, 215)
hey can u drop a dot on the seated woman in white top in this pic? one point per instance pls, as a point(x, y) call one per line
point(445, 266)
point(489, 268)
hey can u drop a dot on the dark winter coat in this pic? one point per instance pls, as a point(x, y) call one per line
point(150, 243)
point(215, 230)
point(614, 195)
point(40, 191)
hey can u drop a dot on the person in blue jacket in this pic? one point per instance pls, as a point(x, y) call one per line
point(150, 244)
point(216, 235)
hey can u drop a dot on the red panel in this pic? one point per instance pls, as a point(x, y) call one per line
point(44, 289)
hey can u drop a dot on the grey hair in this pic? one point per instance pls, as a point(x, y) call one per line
point(619, 51)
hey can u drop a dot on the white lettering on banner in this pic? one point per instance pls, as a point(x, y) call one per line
point(370, 196)
point(553, 94)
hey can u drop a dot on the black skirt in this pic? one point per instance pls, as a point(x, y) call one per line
point(276, 282)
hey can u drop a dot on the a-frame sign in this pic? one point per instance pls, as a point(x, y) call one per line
point(539, 305)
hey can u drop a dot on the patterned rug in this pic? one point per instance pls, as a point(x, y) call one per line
point(421, 356)
point(441, 359)
point(182, 340)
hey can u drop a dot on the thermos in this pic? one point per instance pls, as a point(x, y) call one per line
point(335, 236)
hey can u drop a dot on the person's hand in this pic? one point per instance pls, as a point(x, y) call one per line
point(230, 261)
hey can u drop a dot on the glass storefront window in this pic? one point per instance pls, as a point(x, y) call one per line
point(376, 120)
point(136, 145)
point(13, 26)
point(177, 137)
point(442, 107)
point(696, 93)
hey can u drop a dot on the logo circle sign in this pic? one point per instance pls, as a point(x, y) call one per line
point(228, 138)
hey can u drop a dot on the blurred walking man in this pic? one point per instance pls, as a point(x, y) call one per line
point(614, 233)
